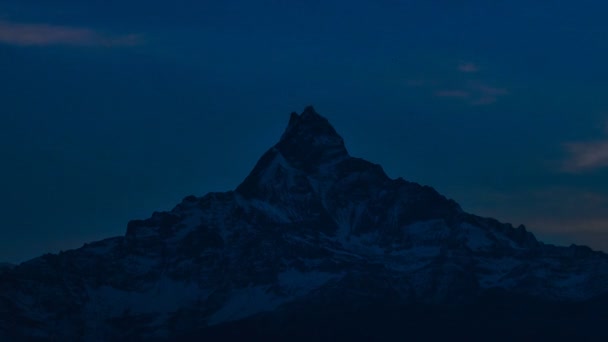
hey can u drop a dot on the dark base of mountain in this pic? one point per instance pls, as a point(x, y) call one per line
point(495, 317)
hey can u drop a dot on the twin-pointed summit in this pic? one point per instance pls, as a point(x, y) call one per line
point(310, 140)
point(309, 146)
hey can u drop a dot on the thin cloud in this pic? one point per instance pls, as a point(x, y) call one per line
point(468, 67)
point(491, 91)
point(484, 101)
point(452, 93)
point(486, 95)
point(476, 94)
point(47, 35)
point(468, 89)
point(586, 156)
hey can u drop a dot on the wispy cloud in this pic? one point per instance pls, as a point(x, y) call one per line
point(489, 90)
point(45, 35)
point(452, 93)
point(586, 156)
point(468, 67)
point(486, 94)
point(466, 85)
point(475, 93)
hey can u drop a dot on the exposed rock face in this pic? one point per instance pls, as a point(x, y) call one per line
point(311, 228)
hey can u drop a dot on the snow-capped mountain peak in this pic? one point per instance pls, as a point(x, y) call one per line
point(309, 227)
point(310, 141)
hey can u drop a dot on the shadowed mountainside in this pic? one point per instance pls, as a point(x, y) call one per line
point(316, 244)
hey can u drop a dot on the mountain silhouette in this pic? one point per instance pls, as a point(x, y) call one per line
point(313, 244)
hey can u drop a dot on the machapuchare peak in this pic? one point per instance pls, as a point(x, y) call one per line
point(312, 238)
point(310, 140)
point(308, 145)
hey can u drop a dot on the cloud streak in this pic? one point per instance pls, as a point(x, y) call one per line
point(586, 156)
point(47, 35)
point(490, 91)
point(469, 89)
point(476, 94)
point(452, 93)
point(486, 94)
point(468, 67)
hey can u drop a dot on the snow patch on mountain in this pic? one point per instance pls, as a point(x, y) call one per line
point(246, 302)
point(476, 238)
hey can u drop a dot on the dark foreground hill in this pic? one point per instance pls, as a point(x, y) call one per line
point(314, 244)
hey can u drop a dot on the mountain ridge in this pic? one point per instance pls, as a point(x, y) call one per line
point(309, 227)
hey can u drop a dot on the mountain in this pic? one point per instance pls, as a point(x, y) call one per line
point(313, 244)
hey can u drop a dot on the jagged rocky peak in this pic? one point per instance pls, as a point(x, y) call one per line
point(307, 123)
point(310, 140)
point(310, 168)
point(309, 146)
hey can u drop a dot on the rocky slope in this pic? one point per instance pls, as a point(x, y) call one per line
point(312, 235)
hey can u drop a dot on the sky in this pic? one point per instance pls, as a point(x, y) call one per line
point(110, 110)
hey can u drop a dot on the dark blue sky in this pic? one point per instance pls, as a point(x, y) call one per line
point(110, 110)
